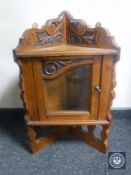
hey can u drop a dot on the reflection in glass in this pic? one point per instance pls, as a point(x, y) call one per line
point(70, 91)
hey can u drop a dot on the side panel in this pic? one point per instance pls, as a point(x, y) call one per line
point(40, 89)
point(106, 83)
point(27, 88)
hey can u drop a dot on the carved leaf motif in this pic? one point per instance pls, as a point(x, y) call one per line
point(87, 38)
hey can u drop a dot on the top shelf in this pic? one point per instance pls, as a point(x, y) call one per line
point(66, 36)
point(64, 50)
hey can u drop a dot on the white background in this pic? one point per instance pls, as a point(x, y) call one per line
point(18, 15)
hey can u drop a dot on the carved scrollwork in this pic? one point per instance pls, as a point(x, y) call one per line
point(45, 39)
point(50, 67)
point(30, 36)
point(22, 87)
point(51, 25)
point(66, 29)
point(101, 36)
point(89, 37)
point(113, 85)
point(78, 26)
point(80, 33)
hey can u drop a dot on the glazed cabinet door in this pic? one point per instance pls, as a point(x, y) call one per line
point(67, 88)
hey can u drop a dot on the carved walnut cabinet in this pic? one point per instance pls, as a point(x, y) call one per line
point(67, 77)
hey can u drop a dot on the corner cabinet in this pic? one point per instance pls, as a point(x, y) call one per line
point(67, 76)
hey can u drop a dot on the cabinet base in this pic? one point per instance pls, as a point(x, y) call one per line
point(38, 142)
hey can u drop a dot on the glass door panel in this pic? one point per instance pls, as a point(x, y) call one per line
point(70, 91)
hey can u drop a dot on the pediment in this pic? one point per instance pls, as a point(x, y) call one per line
point(66, 30)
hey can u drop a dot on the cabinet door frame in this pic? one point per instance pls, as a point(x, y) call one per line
point(41, 95)
point(107, 81)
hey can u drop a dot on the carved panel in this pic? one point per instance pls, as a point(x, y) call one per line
point(67, 30)
point(51, 67)
point(80, 33)
point(45, 39)
point(88, 37)
point(54, 68)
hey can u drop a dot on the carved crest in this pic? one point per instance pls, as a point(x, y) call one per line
point(66, 30)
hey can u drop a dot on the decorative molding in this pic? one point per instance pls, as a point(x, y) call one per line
point(106, 132)
point(66, 30)
point(22, 87)
point(113, 85)
point(54, 68)
point(45, 39)
point(89, 37)
point(106, 129)
point(51, 67)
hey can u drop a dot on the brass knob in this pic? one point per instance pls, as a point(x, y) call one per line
point(97, 88)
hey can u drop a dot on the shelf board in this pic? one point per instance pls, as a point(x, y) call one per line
point(63, 50)
point(67, 122)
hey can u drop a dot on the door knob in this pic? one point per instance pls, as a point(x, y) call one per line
point(98, 89)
